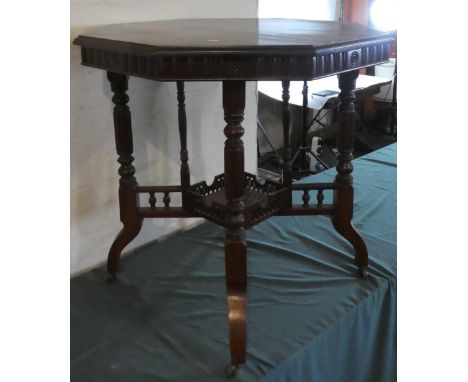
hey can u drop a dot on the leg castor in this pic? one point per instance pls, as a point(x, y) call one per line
point(364, 273)
point(231, 370)
point(111, 278)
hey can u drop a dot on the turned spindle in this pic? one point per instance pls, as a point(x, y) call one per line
point(287, 176)
point(303, 149)
point(184, 166)
point(152, 200)
point(123, 128)
point(319, 197)
point(166, 199)
point(345, 133)
point(305, 198)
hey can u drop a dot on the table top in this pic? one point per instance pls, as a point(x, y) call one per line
point(203, 49)
point(228, 35)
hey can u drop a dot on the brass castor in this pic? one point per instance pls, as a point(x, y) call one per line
point(231, 370)
point(364, 273)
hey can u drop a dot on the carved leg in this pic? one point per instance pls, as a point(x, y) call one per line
point(344, 194)
point(235, 244)
point(128, 198)
point(184, 167)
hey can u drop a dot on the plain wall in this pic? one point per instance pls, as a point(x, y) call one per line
point(94, 179)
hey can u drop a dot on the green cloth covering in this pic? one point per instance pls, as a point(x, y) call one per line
point(310, 317)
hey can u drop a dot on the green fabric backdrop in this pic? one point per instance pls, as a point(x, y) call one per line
point(310, 318)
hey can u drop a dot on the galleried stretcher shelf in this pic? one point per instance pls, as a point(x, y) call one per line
point(234, 51)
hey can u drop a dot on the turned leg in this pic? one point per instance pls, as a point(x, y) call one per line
point(184, 167)
point(128, 198)
point(286, 171)
point(303, 163)
point(344, 194)
point(235, 244)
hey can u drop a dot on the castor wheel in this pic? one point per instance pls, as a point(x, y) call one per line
point(111, 278)
point(231, 370)
point(364, 273)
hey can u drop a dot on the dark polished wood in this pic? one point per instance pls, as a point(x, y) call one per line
point(243, 49)
point(235, 244)
point(128, 198)
point(286, 116)
point(304, 148)
point(233, 51)
point(184, 166)
point(344, 192)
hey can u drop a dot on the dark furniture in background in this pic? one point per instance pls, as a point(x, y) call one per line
point(320, 96)
point(234, 51)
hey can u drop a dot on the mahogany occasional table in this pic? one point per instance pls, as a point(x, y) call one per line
point(234, 51)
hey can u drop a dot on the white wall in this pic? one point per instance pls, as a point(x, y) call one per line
point(94, 178)
point(300, 9)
